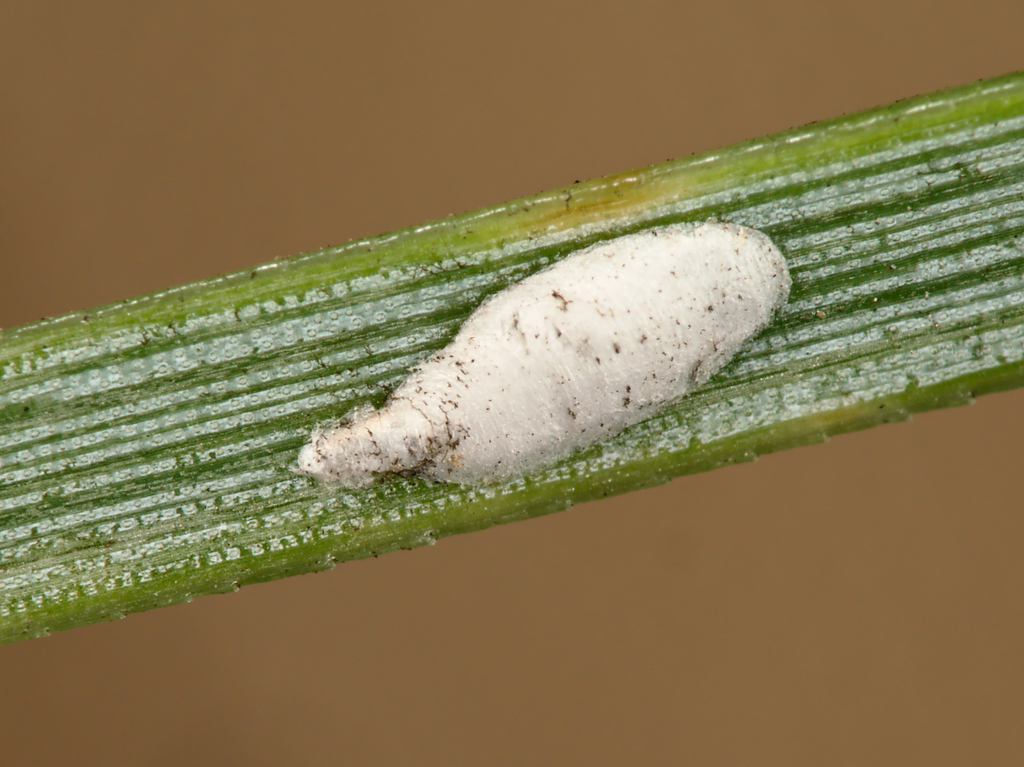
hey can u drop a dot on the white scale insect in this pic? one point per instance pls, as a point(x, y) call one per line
point(569, 356)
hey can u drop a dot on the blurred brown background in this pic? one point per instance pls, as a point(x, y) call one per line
point(857, 602)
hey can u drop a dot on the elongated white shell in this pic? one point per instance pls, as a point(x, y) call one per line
point(573, 354)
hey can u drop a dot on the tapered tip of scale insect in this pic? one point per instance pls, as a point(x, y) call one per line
point(394, 440)
point(311, 462)
point(319, 459)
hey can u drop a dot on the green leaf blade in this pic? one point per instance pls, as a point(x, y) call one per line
point(146, 450)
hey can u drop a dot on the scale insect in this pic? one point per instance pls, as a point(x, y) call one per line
point(601, 340)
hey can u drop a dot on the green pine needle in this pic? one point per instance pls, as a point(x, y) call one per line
point(147, 448)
